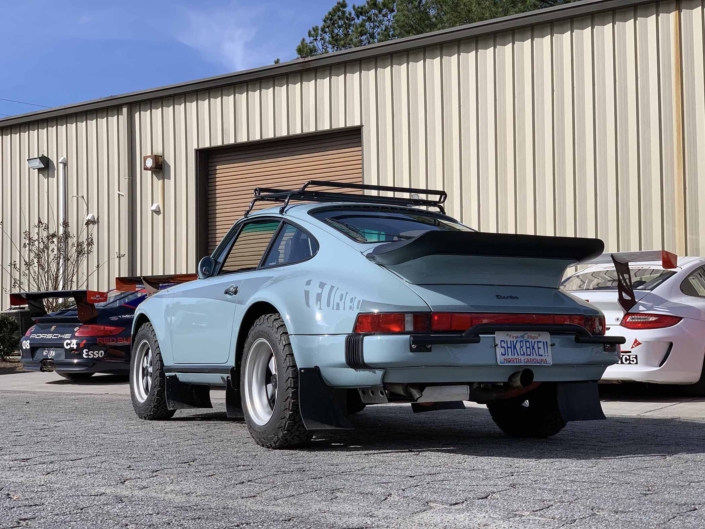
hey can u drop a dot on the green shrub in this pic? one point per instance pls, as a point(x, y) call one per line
point(8, 336)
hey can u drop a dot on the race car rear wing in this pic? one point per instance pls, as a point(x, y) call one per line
point(85, 301)
point(621, 262)
point(152, 284)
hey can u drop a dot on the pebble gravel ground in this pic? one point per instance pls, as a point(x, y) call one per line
point(87, 461)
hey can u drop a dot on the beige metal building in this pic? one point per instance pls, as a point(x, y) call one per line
point(587, 119)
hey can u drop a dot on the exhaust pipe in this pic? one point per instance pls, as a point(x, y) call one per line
point(521, 379)
point(47, 366)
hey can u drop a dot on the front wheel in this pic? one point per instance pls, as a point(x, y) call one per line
point(147, 379)
point(269, 384)
point(534, 414)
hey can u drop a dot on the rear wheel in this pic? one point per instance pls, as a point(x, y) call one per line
point(269, 384)
point(75, 376)
point(534, 414)
point(147, 379)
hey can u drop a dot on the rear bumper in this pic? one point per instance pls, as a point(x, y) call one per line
point(79, 366)
point(673, 355)
point(388, 359)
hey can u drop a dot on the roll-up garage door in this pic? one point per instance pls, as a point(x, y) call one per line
point(233, 174)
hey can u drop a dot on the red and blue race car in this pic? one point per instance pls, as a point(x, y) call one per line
point(92, 334)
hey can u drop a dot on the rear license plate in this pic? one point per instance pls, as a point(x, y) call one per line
point(48, 353)
point(628, 359)
point(523, 348)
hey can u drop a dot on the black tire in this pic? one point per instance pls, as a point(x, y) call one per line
point(534, 414)
point(154, 406)
point(75, 376)
point(353, 402)
point(285, 428)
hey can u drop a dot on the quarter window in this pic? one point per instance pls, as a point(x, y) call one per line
point(694, 284)
point(250, 245)
point(292, 245)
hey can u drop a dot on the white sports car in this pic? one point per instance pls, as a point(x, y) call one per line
point(656, 301)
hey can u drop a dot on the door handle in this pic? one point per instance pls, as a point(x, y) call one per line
point(231, 290)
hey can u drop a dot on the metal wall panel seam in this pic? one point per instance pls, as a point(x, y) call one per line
point(694, 120)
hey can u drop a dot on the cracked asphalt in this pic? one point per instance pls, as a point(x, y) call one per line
point(85, 460)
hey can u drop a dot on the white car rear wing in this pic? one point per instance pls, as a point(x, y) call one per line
point(621, 262)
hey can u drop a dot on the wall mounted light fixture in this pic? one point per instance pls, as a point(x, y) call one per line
point(40, 162)
point(152, 162)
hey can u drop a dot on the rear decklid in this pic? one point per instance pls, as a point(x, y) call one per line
point(474, 271)
point(608, 302)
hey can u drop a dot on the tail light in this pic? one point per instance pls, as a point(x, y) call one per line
point(399, 323)
point(392, 323)
point(98, 330)
point(30, 330)
point(649, 321)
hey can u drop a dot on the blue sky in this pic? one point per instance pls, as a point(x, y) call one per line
point(56, 52)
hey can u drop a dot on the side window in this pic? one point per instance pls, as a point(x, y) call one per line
point(292, 245)
point(250, 245)
point(694, 284)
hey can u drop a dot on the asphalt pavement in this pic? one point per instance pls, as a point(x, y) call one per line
point(75, 455)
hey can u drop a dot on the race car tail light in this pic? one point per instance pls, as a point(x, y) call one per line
point(30, 330)
point(395, 323)
point(649, 321)
point(98, 330)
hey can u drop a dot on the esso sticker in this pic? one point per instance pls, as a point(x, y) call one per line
point(93, 354)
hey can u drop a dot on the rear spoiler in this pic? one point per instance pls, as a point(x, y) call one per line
point(571, 249)
point(85, 301)
point(152, 284)
point(621, 261)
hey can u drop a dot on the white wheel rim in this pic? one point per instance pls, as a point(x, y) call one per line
point(143, 370)
point(260, 382)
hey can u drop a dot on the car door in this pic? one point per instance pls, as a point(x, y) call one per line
point(203, 311)
point(291, 245)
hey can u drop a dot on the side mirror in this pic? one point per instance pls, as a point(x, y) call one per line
point(206, 267)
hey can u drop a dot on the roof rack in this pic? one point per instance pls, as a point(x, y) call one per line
point(304, 193)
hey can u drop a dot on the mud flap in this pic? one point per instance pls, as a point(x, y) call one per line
point(579, 401)
point(233, 402)
point(319, 407)
point(180, 396)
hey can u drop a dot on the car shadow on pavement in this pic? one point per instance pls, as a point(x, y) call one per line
point(214, 416)
point(640, 392)
point(100, 380)
point(472, 432)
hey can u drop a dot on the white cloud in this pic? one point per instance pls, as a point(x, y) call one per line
point(224, 35)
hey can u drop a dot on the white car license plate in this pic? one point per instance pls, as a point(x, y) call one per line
point(523, 348)
point(628, 359)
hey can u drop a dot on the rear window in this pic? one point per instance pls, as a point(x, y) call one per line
point(642, 279)
point(375, 225)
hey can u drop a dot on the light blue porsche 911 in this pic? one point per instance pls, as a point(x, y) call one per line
point(328, 302)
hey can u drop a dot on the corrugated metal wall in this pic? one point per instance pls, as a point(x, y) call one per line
point(593, 126)
point(96, 147)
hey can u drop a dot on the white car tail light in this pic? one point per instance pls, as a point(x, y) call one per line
point(649, 321)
